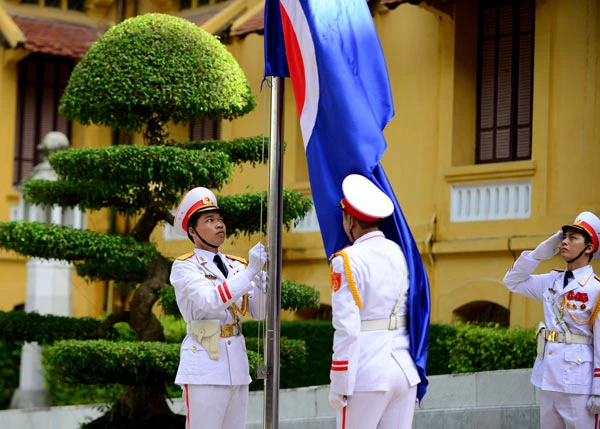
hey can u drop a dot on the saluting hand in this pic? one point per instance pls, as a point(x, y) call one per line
point(548, 248)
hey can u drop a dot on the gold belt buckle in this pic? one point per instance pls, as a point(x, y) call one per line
point(227, 331)
point(552, 336)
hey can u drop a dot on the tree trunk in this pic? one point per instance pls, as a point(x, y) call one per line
point(144, 406)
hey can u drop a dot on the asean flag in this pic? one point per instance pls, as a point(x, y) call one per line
point(331, 51)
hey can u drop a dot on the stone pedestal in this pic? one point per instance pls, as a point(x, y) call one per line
point(48, 292)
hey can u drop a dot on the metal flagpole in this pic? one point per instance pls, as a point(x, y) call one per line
point(274, 222)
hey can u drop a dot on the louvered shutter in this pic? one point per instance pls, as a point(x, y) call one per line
point(505, 76)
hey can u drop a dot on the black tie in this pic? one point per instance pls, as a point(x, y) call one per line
point(568, 277)
point(219, 262)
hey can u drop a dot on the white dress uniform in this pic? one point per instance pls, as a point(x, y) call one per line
point(373, 368)
point(213, 368)
point(203, 294)
point(563, 370)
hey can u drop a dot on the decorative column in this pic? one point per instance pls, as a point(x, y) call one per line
point(48, 281)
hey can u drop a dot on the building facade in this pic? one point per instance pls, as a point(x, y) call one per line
point(492, 148)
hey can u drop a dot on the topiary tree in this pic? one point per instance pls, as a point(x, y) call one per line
point(142, 74)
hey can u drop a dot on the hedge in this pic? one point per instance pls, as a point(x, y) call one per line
point(306, 348)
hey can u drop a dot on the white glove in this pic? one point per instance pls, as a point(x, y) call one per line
point(261, 280)
point(593, 404)
point(548, 248)
point(337, 401)
point(257, 258)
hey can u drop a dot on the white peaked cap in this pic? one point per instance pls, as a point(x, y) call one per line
point(588, 223)
point(197, 200)
point(364, 200)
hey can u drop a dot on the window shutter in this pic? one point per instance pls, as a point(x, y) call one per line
point(505, 80)
point(42, 80)
point(205, 129)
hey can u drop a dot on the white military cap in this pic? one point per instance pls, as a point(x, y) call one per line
point(364, 200)
point(588, 223)
point(197, 200)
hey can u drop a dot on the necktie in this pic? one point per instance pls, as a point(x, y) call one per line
point(568, 277)
point(219, 262)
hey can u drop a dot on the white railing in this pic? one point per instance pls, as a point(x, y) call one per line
point(490, 201)
point(74, 218)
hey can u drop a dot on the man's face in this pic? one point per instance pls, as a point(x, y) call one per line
point(211, 227)
point(572, 244)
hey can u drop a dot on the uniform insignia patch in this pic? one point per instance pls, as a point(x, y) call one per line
point(237, 258)
point(336, 281)
point(186, 256)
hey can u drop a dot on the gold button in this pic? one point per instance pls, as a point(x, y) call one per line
point(550, 352)
point(194, 348)
point(578, 360)
point(228, 341)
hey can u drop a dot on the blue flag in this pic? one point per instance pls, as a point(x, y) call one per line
point(331, 50)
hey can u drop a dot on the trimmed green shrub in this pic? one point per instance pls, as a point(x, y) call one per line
point(476, 348)
point(18, 326)
point(318, 337)
point(10, 360)
point(438, 358)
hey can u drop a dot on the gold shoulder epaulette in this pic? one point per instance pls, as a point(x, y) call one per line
point(185, 256)
point(558, 271)
point(597, 278)
point(338, 253)
point(237, 258)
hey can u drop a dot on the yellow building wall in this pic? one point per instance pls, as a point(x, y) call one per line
point(432, 65)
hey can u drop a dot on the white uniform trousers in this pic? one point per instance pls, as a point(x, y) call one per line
point(565, 411)
point(393, 409)
point(215, 407)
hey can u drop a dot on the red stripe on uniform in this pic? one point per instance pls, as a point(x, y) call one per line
point(187, 405)
point(226, 289)
point(339, 365)
point(344, 418)
point(220, 289)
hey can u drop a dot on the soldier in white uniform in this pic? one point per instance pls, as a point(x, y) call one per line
point(373, 377)
point(213, 368)
point(567, 369)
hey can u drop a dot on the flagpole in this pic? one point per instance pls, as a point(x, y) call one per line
point(274, 222)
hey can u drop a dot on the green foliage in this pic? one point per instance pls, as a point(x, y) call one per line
point(127, 178)
point(242, 149)
point(476, 348)
point(438, 357)
point(293, 355)
point(19, 326)
point(294, 296)
point(242, 212)
point(10, 359)
point(168, 301)
point(155, 64)
point(107, 256)
point(318, 338)
point(140, 362)
point(304, 344)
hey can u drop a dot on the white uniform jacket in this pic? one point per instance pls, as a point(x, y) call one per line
point(203, 294)
point(367, 279)
point(567, 368)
